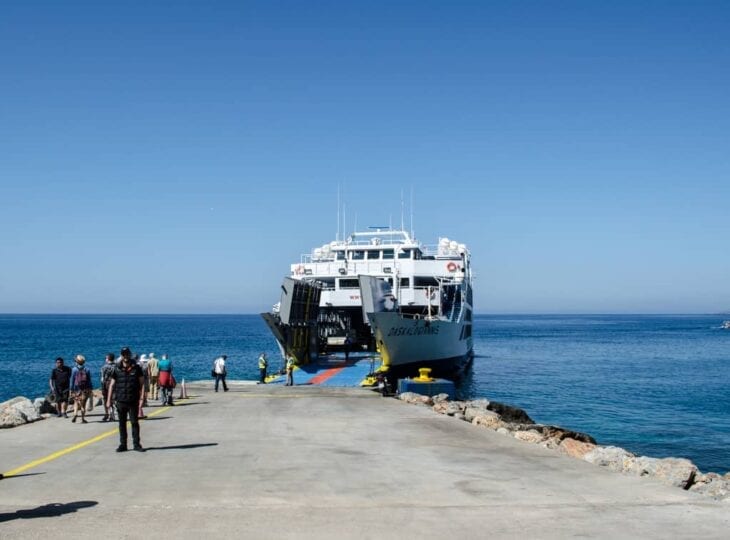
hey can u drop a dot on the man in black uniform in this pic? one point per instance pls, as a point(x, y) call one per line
point(60, 382)
point(127, 387)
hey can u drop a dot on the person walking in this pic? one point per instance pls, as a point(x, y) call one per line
point(348, 345)
point(289, 372)
point(153, 370)
point(106, 376)
point(166, 380)
point(219, 368)
point(60, 383)
point(81, 387)
point(263, 364)
point(127, 390)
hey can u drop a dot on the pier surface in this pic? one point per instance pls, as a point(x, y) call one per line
point(319, 462)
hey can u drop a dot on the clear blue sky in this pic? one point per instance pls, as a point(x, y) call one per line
point(165, 157)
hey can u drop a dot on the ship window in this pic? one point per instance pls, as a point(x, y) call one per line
point(405, 282)
point(423, 281)
point(340, 255)
point(404, 254)
point(417, 254)
point(357, 255)
point(387, 254)
point(327, 283)
point(373, 254)
point(349, 283)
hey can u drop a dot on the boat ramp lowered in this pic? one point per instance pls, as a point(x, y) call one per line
point(310, 461)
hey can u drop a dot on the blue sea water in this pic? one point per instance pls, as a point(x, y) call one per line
point(655, 385)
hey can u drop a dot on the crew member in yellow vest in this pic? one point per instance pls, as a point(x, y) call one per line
point(289, 372)
point(262, 368)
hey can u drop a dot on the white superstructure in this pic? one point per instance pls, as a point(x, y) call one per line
point(431, 284)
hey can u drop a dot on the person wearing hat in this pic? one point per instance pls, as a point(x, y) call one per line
point(81, 387)
point(127, 388)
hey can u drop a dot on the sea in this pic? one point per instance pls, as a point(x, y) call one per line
point(656, 385)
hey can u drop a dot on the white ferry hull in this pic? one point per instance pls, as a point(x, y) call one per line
point(407, 344)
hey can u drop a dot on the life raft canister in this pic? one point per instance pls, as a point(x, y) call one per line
point(451, 267)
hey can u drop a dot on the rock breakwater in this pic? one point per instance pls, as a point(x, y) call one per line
point(515, 422)
point(21, 410)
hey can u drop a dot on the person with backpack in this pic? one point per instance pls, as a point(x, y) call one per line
point(106, 376)
point(127, 389)
point(166, 380)
point(81, 387)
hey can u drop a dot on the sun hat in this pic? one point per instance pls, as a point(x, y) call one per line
point(80, 359)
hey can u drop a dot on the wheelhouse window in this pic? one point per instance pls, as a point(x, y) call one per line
point(340, 255)
point(327, 283)
point(357, 255)
point(405, 282)
point(387, 254)
point(404, 254)
point(348, 283)
point(373, 254)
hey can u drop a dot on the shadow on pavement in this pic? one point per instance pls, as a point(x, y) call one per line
point(19, 475)
point(181, 446)
point(178, 404)
point(47, 510)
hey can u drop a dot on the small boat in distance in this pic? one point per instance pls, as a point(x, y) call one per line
point(725, 325)
point(380, 290)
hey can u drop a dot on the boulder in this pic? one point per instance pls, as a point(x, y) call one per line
point(440, 398)
point(678, 472)
point(487, 419)
point(611, 457)
point(43, 406)
point(10, 417)
point(575, 448)
point(472, 412)
point(416, 399)
point(17, 411)
point(479, 404)
point(712, 485)
point(455, 407)
point(530, 436)
point(509, 413)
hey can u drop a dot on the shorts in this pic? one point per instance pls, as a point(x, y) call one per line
point(80, 396)
point(61, 395)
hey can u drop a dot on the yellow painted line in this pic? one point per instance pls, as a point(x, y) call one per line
point(70, 449)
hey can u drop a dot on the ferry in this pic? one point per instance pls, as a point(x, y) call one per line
point(382, 291)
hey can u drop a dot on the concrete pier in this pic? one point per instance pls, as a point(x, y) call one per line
point(318, 462)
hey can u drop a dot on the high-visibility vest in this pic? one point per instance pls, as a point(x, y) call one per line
point(262, 362)
point(290, 364)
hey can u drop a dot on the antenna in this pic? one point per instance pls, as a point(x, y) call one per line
point(337, 236)
point(413, 235)
point(402, 226)
point(344, 221)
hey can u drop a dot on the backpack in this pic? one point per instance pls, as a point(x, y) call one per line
point(81, 380)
